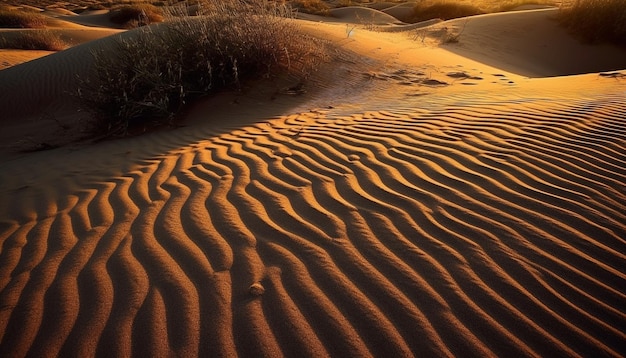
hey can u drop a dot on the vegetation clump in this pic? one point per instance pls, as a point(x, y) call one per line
point(597, 21)
point(44, 40)
point(154, 71)
point(21, 19)
point(510, 5)
point(94, 7)
point(315, 7)
point(131, 16)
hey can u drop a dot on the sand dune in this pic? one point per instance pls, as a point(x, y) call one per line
point(71, 34)
point(357, 14)
point(10, 58)
point(96, 18)
point(377, 216)
point(456, 230)
point(531, 43)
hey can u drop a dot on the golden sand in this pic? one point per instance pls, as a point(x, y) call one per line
point(416, 202)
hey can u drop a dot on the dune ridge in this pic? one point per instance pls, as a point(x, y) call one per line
point(444, 230)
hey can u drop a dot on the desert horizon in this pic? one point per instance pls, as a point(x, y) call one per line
point(312, 178)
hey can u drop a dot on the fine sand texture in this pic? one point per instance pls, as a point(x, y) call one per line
point(414, 202)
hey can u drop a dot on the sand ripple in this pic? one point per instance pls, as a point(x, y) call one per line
point(474, 230)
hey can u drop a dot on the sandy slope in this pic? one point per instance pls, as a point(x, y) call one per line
point(530, 44)
point(38, 108)
point(406, 209)
point(73, 30)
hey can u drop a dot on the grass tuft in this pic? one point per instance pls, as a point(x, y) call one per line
point(315, 7)
point(509, 5)
point(149, 77)
point(597, 21)
point(21, 19)
point(34, 40)
point(131, 16)
point(93, 7)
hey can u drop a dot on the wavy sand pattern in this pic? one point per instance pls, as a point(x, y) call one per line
point(474, 230)
point(436, 206)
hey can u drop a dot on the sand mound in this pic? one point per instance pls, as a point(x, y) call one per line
point(30, 8)
point(481, 228)
point(57, 22)
point(385, 215)
point(402, 12)
point(531, 43)
point(39, 108)
point(10, 58)
point(59, 12)
point(96, 18)
point(363, 15)
point(41, 85)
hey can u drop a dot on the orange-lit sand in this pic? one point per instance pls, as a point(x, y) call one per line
point(417, 201)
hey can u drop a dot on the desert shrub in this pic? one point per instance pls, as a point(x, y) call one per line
point(316, 7)
point(21, 19)
point(34, 40)
point(131, 16)
point(596, 20)
point(442, 10)
point(93, 7)
point(345, 3)
point(508, 5)
point(154, 71)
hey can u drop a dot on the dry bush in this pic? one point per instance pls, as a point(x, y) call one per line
point(21, 19)
point(315, 7)
point(509, 5)
point(597, 20)
point(131, 16)
point(346, 3)
point(444, 10)
point(154, 71)
point(92, 7)
point(34, 40)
